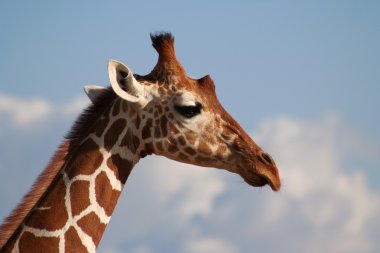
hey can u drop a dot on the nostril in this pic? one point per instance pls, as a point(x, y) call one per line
point(266, 158)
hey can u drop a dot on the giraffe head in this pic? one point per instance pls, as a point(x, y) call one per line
point(181, 118)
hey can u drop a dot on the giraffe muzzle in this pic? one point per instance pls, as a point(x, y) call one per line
point(261, 171)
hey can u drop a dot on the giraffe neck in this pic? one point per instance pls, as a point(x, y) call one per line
point(73, 213)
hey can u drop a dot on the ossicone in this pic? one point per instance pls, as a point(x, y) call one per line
point(167, 63)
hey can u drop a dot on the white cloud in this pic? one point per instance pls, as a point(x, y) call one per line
point(73, 107)
point(19, 112)
point(328, 200)
point(209, 245)
point(192, 189)
point(23, 112)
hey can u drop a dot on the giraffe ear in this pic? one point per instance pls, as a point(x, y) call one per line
point(93, 91)
point(124, 83)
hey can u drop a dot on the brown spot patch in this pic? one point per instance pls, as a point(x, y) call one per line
point(53, 216)
point(105, 195)
point(30, 243)
point(113, 133)
point(191, 137)
point(210, 139)
point(91, 225)
point(146, 129)
point(157, 132)
point(183, 157)
point(73, 242)
point(149, 148)
point(79, 196)
point(190, 151)
point(204, 148)
point(159, 146)
point(121, 167)
point(182, 140)
point(131, 141)
point(132, 112)
point(202, 159)
point(173, 128)
point(101, 125)
point(163, 122)
point(87, 160)
point(172, 149)
point(116, 107)
point(221, 150)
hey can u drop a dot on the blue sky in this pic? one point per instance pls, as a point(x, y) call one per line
point(301, 76)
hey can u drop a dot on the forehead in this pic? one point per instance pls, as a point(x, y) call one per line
point(184, 87)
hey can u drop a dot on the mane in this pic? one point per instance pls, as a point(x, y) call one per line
point(72, 140)
point(85, 122)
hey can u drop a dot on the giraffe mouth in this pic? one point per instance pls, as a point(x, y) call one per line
point(260, 180)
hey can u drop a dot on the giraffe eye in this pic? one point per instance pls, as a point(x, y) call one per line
point(189, 111)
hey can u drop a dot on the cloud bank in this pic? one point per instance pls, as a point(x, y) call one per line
point(23, 113)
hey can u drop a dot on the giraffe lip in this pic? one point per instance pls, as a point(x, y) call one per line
point(274, 183)
point(259, 180)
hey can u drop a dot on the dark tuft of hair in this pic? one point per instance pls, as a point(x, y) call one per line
point(160, 38)
point(88, 118)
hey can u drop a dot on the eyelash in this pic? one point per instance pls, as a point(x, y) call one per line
point(189, 111)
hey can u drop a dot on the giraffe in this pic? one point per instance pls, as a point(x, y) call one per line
point(164, 113)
